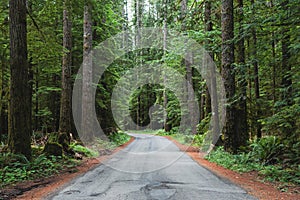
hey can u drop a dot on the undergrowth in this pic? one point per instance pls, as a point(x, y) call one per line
point(16, 168)
point(119, 138)
point(184, 138)
point(146, 131)
point(273, 158)
point(245, 162)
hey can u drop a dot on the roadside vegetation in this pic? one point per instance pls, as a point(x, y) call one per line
point(273, 158)
point(254, 46)
point(273, 162)
point(16, 168)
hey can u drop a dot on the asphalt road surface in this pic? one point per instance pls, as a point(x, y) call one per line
point(150, 168)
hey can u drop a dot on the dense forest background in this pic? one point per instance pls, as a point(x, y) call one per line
point(254, 43)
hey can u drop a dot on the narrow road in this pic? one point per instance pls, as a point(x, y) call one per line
point(150, 168)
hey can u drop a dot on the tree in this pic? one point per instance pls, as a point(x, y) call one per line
point(87, 74)
point(256, 77)
point(241, 108)
point(138, 16)
point(165, 96)
point(189, 74)
point(65, 104)
point(229, 131)
point(19, 106)
point(213, 82)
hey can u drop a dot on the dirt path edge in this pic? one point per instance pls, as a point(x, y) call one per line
point(41, 188)
point(248, 181)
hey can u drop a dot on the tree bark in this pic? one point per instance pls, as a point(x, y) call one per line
point(138, 11)
point(256, 78)
point(166, 125)
point(19, 106)
point(241, 108)
point(65, 101)
point(229, 131)
point(191, 120)
point(87, 75)
point(213, 82)
point(208, 27)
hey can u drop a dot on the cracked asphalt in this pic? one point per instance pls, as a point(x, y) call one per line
point(150, 168)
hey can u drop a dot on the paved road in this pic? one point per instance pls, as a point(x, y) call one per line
point(150, 168)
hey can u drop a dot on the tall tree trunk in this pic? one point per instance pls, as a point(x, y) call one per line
point(241, 108)
point(125, 24)
point(1, 94)
point(30, 90)
point(286, 67)
point(87, 75)
point(256, 78)
point(36, 108)
point(189, 76)
point(273, 63)
point(19, 106)
point(54, 104)
point(166, 125)
point(138, 10)
point(65, 101)
point(208, 27)
point(229, 131)
point(213, 82)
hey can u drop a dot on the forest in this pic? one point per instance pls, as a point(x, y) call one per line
point(46, 46)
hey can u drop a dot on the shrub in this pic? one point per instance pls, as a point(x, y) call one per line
point(267, 150)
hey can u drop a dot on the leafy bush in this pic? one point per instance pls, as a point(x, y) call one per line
point(83, 150)
point(283, 122)
point(291, 155)
point(162, 132)
point(267, 150)
point(198, 140)
point(245, 162)
point(15, 168)
point(203, 126)
point(119, 138)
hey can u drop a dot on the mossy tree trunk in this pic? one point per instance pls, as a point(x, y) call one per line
point(19, 105)
point(65, 102)
point(229, 131)
point(241, 108)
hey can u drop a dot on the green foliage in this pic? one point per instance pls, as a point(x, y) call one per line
point(83, 150)
point(119, 138)
point(203, 126)
point(240, 162)
point(277, 173)
point(291, 155)
point(15, 168)
point(187, 139)
point(199, 140)
point(146, 131)
point(284, 121)
point(257, 161)
point(267, 149)
point(162, 132)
